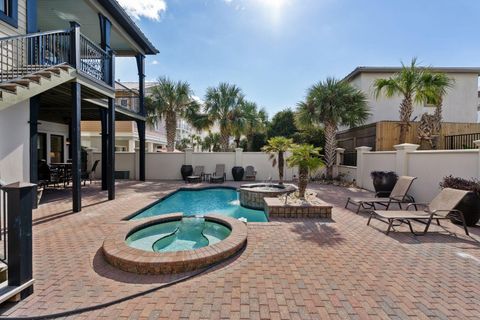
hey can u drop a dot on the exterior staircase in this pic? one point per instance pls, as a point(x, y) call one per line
point(38, 81)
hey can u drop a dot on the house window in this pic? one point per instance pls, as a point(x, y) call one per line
point(9, 12)
point(124, 103)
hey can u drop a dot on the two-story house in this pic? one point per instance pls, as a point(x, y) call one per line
point(57, 63)
point(460, 108)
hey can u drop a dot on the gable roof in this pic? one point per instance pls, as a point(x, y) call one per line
point(363, 69)
point(119, 14)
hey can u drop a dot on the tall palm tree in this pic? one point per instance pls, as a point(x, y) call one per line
point(211, 142)
point(411, 82)
point(238, 124)
point(307, 158)
point(221, 104)
point(436, 86)
point(255, 121)
point(276, 148)
point(170, 100)
point(332, 103)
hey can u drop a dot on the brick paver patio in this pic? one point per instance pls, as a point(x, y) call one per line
point(290, 269)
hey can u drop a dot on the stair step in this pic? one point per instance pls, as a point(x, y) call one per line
point(23, 82)
point(11, 87)
point(53, 70)
point(33, 78)
point(44, 74)
point(64, 67)
point(11, 292)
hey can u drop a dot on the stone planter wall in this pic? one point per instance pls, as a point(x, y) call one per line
point(276, 208)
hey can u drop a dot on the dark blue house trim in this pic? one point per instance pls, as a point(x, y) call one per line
point(32, 22)
point(12, 17)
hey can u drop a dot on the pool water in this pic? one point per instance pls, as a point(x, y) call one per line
point(187, 234)
point(222, 201)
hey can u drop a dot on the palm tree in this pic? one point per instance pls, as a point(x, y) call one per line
point(221, 103)
point(436, 86)
point(411, 83)
point(211, 142)
point(276, 148)
point(307, 158)
point(238, 124)
point(255, 121)
point(170, 100)
point(332, 103)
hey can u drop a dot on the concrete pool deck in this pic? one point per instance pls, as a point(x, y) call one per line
point(290, 268)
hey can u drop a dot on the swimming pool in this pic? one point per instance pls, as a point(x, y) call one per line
point(198, 202)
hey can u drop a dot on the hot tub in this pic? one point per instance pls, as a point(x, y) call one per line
point(251, 195)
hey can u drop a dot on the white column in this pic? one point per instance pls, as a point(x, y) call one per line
point(238, 157)
point(401, 157)
point(131, 145)
point(477, 144)
point(360, 164)
point(188, 156)
point(149, 146)
point(338, 160)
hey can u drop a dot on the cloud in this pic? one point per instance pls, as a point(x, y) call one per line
point(150, 9)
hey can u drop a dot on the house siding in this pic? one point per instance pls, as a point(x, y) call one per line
point(6, 30)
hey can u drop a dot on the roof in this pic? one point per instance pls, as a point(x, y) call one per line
point(363, 69)
point(131, 85)
point(129, 25)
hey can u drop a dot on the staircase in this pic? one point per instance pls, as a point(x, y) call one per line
point(31, 84)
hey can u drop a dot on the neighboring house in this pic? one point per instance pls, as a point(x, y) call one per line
point(460, 107)
point(126, 133)
point(50, 80)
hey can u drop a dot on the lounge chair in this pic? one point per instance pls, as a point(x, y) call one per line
point(87, 175)
point(219, 175)
point(398, 195)
point(197, 174)
point(250, 173)
point(441, 207)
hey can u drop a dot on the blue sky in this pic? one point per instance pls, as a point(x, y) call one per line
point(275, 49)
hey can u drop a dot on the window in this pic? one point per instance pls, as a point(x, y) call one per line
point(124, 103)
point(56, 149)
point(9, 12)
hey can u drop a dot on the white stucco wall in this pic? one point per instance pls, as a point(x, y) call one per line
point(460, 102)
point(376, 161)
point(15, 143)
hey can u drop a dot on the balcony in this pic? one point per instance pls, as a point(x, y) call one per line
point(24, 55)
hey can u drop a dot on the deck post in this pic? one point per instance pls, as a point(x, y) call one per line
point(140, 123)
point(34, 112)
point(104, 135)
point(76, 146)
point(19, 210)
point(75, 44)
point(111, 149)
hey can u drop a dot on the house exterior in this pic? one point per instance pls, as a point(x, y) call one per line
point(460, 107)
point(126, 134)
point(57, 68)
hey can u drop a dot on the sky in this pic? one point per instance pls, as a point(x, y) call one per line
point(274, 50)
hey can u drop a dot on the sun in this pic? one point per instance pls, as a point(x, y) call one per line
point(276, 5)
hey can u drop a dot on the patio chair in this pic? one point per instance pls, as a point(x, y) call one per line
point(197, 174)
point(250, 173)
point(398, 195)
point(441, 207)
point(219, 175)
point(87, 175)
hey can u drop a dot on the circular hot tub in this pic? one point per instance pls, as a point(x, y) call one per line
point(251, 195)
point(173, 243)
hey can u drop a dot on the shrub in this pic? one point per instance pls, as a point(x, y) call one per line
point(461, 184)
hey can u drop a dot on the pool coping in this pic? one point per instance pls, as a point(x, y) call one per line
point(129, 259)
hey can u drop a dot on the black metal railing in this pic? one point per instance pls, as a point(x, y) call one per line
point(94, 61)
point(350, 158)
point(461, 141)
point(3, 224)
point(26, 54)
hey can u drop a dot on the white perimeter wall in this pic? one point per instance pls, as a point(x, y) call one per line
point(15, 143)
point(430, 167)
point(166, 166)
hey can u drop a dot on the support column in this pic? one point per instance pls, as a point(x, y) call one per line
point(34, 112)
point(76, 146)
point(401, 157)
point(141, 102)
point(111, 149)
point(360, 164)
point(104, 134)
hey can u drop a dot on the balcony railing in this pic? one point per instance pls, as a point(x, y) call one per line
point(26, 54)
point(461, 141)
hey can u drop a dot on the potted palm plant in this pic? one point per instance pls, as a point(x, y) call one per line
point(470, 204)
point(307, 158)
point(276, 148)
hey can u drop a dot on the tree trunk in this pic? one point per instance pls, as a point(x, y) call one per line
point(406, 110)
point(302, 181)
point(280, 167)
point(224, 139)
point(249, 142)
point(171, 126)
point(330, 146)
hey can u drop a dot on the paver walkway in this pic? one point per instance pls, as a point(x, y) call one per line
point(290, 269)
